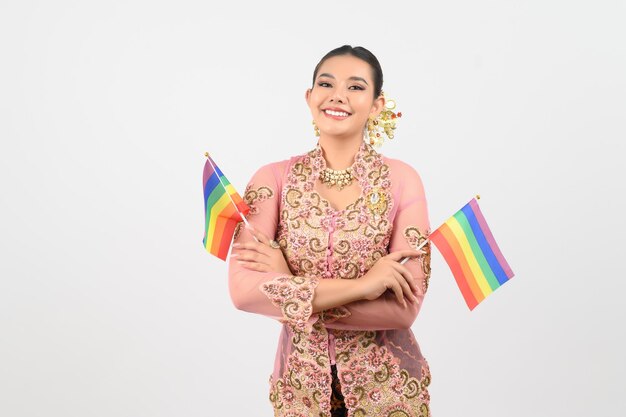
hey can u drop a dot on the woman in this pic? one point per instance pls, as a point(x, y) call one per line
point(333, 276)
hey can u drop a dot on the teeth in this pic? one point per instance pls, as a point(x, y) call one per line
point(336, 113)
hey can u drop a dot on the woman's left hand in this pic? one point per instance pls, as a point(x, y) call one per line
point(260, 256)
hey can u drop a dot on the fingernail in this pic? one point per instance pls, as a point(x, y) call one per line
point(249, 226)
point(232, 255)
point(235, 244)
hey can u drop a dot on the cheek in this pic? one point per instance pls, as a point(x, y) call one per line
point(317, 95)
point(364, 115)
point(315, 103)
point(363, 103)
point(361, 121)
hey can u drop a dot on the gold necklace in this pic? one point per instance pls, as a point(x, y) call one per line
point(340, 178)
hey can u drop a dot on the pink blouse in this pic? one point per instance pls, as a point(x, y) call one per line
point(379, 364)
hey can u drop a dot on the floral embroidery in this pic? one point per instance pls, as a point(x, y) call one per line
point(332, 314)
point(320, 242)
point(307, 217)
point(293, 295)
point(253, 196)
point(305, 387)
point(372, 379)
point(415, 238)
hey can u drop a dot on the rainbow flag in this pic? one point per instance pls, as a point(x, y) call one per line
point(472, 254)
point(223, 208)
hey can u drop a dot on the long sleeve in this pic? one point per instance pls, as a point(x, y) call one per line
point(277, 295)
point(411, 227)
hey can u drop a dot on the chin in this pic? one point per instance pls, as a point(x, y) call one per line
point(339, 133)
point(334, 131)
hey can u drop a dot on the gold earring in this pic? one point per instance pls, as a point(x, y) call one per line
point(317, 130)
point(384, 123)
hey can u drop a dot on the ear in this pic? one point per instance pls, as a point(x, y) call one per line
point(377, 106)
point(307, 94)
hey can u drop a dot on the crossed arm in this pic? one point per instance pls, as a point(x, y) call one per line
point(340, 304)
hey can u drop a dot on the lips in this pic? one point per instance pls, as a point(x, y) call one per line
point(336, 113)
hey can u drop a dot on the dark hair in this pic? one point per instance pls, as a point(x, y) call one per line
point(361, 53)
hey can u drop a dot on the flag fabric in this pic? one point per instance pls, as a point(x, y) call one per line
point(223, 208)
point(469, 248)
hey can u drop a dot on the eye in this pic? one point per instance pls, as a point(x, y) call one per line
point(321, 84)
point(358, 87)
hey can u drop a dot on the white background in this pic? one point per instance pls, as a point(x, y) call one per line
point(109, 304)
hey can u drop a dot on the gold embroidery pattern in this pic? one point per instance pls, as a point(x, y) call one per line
point(251, 197)
point(293, 295)
point(415, 238)
point(376, 202)
point(319, 241)
point(371, 378)
point(305, 388)
point(332, 314)
point(345, 243)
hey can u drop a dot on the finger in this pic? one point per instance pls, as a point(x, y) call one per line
point(240, 245)
point(255, 266)
point(262, 243)
point(398, 255)
point(405, 272)
point(406, 288)
point(258, 234)
point(407, 275)
point(250, 229)
point(253, 256)
point(397, 289)
point(253, 247)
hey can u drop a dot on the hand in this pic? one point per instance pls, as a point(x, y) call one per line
point(388, 273)
point(260, 256)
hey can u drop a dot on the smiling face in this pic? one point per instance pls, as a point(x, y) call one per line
point(342, 97)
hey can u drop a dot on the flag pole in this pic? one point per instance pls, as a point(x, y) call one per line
point(407, 258)
point(245, 220)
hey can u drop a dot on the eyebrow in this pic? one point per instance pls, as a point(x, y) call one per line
point(351, 78)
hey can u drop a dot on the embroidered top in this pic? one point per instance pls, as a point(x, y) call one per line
point(379, 364)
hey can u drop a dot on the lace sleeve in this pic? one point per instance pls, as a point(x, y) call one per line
point(284, 297)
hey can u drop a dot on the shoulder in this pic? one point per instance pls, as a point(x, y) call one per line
point(406, 182)
point(280, 169)
point(273, 170)
point(402, 173)
point(273, 175)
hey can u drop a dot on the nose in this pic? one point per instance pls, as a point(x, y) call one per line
point(337, 97)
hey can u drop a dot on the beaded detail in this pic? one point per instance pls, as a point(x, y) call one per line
point(382, 373)
point(415, 238)
point(340, 178)
point(293, 295)
point(321, 241)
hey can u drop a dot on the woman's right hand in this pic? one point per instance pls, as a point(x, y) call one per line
point(388, 273)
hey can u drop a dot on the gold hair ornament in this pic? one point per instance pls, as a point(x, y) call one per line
point(385, 123)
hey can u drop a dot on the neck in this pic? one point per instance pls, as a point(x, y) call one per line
point(339, 153)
